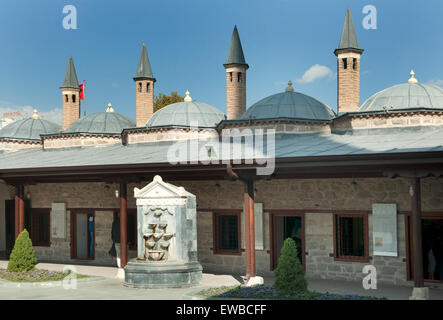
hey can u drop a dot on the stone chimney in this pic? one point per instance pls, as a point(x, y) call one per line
point(71, 96)
point(348, 68)
point(235, 67)
point(144, 89)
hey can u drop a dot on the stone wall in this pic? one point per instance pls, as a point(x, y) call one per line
point(319, 198)
point(348, 82)
point(144, 100)
point(235, 92)
point(293, 127)
point(167, 134)
point(63, 141)
point(388, 120)
point(11, 145)
point(97, 198)
point(71, 109)
point(319, 246)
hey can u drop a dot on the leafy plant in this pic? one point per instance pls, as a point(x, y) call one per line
point(23, 254)
point(289, 274)
point(162, 100)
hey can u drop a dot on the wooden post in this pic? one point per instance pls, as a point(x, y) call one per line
point(249, 229)
point(123, 225)
point(21, 208)
point(416, 233)
point(16, 213)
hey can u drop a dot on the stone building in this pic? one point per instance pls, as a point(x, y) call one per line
point(356, 188)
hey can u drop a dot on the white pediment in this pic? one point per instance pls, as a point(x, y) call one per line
point(158, 189)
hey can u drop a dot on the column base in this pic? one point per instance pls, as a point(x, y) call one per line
point(420, 294)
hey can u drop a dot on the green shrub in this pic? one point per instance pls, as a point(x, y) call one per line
point(289, 274)
point(23, 255)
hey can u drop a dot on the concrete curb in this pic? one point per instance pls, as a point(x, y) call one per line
point(47, 284)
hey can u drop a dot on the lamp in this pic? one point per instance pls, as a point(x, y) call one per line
point(28, 195)
point(117, 193)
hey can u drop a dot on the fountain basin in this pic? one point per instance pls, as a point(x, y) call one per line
point(150, 244)
point(162, 274)
point(156, 255)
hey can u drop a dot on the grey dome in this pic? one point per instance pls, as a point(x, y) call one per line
point(289, 104)
point(405, 96)
point(181, 114)
point(29, 129)
point(101, 123)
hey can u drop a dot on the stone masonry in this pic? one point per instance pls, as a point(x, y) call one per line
point(348, 82)
point(71, 109)
point(235, 92)
point(314, 196)
point(144, 100)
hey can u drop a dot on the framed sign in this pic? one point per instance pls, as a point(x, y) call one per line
point(384, 231)
point(58, 220)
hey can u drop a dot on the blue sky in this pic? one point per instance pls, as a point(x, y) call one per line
point(188, 41)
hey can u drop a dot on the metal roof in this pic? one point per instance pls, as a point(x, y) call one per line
point(70, 80)
point(405, 96)
point(289, 104)
point(181, 114)
point(366, 142)
point(144, 67)
point(348, 38)
point(29, 129)
point(101, 123)
point(235, 54)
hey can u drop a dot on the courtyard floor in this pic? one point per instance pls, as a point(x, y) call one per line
point(108, 287)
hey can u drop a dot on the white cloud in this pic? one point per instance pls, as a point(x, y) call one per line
point(314, 73)
point(23, 112)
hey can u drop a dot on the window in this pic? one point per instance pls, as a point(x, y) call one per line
point(354, 63)
point(73, 98)
point(239, 77)
point(230, 76)
point(66, 98)
point(351, 237)
point(147, 87)
point(227, 233)
point(139, 87)
point(345, 63)
point(39, 230)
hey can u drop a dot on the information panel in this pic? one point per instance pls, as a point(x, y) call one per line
point(58, 220)
point(384, 221)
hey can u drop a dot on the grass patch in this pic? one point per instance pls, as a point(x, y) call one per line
point(269, 293)
point(36, 275)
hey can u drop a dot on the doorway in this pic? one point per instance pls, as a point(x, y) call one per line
point(82, 235)
point(432, 245)
point(283, 226)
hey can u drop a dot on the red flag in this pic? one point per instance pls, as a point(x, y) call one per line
point(82, 91)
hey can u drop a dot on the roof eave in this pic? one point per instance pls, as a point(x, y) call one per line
point(345, 50)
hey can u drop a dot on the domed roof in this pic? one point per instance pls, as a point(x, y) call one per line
point(107, 122)
point(181, 114)
point(289, 104)
point(29, 129)
point(411, 95)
